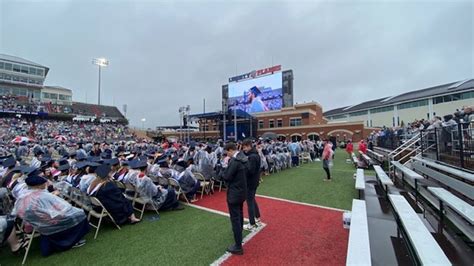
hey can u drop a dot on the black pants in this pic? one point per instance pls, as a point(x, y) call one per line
point(236, 211)
point(295, 161)
point(328, 174)
point(254, 212)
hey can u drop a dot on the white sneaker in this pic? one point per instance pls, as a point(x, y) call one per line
point(317, 160)
point(258, 222)
point(249, 227)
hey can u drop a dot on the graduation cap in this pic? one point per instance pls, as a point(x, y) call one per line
point(95, 159)
point(106, 155)
point(162, 163)
point(18, 169)
point(136, 164)
point(37, 151)
point(63, 165)
point(256, 91)
point(9, 162)
point(30, 171)
point(103, 171)
point(82, 164)
point(113, 161)
point(35, 180)
point(45, 159)
point(182, 164)
point(80, 156)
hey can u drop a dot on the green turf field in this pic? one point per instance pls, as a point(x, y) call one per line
point(305, 183)
point(188, 237)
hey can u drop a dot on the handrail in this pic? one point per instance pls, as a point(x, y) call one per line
point(404, 145)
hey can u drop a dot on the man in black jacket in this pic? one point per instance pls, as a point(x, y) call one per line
point(253, 178)
point(235, 176)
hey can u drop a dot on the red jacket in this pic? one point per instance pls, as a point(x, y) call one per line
point(350, 148)
point(363, 147)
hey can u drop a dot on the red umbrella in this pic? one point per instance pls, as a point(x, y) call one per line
point(19, 139)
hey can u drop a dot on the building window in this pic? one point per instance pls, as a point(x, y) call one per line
point(32, 71)
point(339, 117)
point(17, 68)
point(381, 109)
point(8, 66)
point(24, 69)
point(260, 123)
point(295, 122)
point(63, 97)
point(40, 72)
point(280, 123)
point(271, 123)
point(413, 104)
point(358, 113)
point(453, 97)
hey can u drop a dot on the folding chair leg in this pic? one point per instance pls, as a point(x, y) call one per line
point(98, 227)
point(142, 211)
point(28, 247)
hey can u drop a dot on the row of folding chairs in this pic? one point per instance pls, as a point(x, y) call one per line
point(131, 193)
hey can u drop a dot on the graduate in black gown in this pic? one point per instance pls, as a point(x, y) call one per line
point(111, 196)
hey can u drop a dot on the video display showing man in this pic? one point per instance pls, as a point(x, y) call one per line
point(256, 103)
point(256, 95)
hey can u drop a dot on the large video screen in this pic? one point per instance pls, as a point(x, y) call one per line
point(257, 95)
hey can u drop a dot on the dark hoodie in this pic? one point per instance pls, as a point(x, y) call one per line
point(236, 178)
point(253, 172)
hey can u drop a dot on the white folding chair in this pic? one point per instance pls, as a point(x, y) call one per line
point(177, 188)
point(205, 185)
point(99, 215)
point(29, 238)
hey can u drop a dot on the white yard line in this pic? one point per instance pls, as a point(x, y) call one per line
point(302, 203)
point(227, 255)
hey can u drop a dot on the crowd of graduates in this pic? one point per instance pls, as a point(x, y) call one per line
point(39, 175)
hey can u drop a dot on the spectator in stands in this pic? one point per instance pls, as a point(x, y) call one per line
point(61, 226)
point(362, 146)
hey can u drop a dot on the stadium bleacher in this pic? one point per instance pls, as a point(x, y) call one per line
point(427, 203)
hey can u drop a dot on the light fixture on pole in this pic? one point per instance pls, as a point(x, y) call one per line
point(143, 123)
point(101, 62)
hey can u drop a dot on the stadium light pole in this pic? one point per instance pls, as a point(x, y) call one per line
point(101, 62)
point(143, 123)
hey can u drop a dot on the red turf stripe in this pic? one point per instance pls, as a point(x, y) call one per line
point(295, 234)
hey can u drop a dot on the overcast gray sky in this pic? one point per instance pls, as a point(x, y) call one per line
point(164, 54)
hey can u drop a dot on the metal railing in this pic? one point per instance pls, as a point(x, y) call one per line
point(453, 145)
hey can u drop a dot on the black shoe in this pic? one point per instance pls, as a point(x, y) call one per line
point(235, 250)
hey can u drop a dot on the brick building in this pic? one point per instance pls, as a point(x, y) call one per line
point(301, 121)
